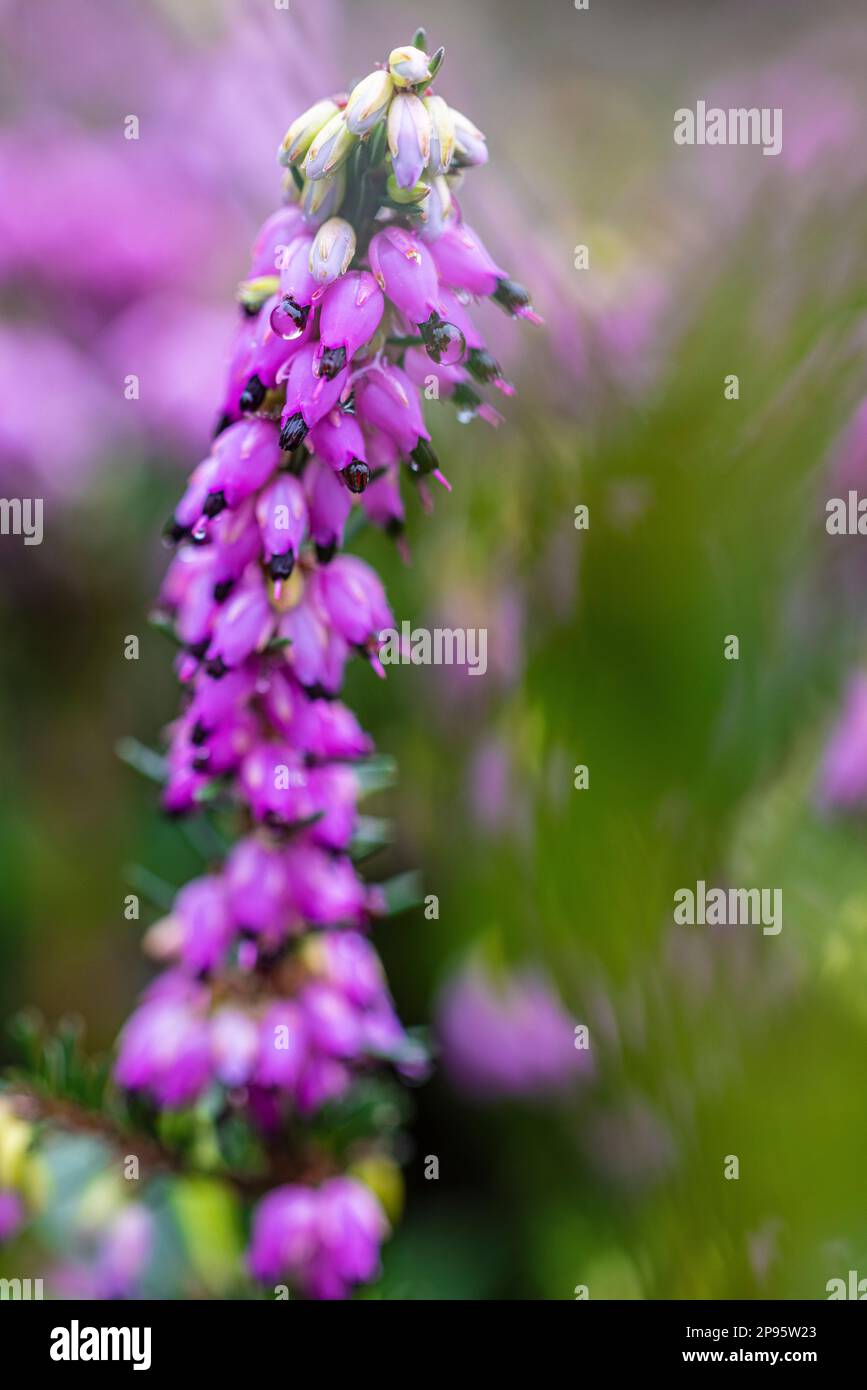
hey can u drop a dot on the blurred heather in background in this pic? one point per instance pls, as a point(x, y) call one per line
point(559, 1165)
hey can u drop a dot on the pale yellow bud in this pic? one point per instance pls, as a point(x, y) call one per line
point(368, 102)
point(302, 132)
point(253, 293)
point(331, 147)
point(332, 250)
point(381, 1176)
point(442, 141)
point(408, 66)
point(15, 1137)
point(321, 198)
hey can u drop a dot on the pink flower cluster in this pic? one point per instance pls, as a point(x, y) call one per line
point(280, 1054)
point(272, 994)
point(326, 1239)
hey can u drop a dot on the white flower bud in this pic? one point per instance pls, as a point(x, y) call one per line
point(368, 102)
point(332, 251)
point(439, 212)
point(442, 142)
point(408, 66)
point(470, 144)
point(321, 198)
point(408, 138)
point(330, 148)
point(302, 132)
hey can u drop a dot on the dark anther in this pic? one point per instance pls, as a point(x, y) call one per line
point(215, 502)
point(348, 406)
point(281, 566)
point(222, 424)
point(174, 532)
point(201, 760)
point(483, 365)
point(394, 527)
point(293, 433)
point(511, 295)
point(465, 398)
point(198, 649)
point(424, 460)
point(356, 475)
point(223, 590)
point(325, 553)
point(252, 395)
point(333, 360)
point(217, 668)
point(199, 734)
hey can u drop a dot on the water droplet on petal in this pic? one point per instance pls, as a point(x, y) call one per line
point(447, 345)
point(289, 319)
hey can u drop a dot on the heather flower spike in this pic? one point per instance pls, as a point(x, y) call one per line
point(273, 1003)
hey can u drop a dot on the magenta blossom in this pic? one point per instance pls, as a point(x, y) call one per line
point(165, 1050)
point(509, 1037)
point(843, 773)
point(11, 1214)
point(323, 1240)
